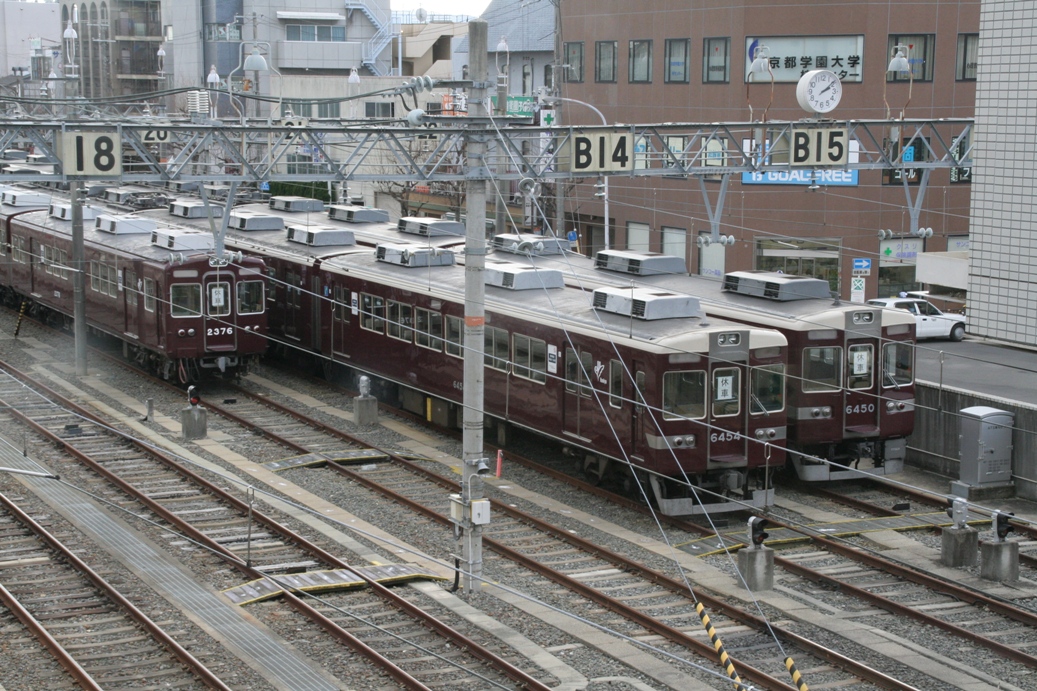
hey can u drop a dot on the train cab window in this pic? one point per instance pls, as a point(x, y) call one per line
point(530, 358)
point(218, 303)
point(149, 294)
point(340, 308)
point(455, 336)
point(767, 389)
point(250, 297)
point(185, 300)
point(616, 383)
point(495, 348)
point(372, 313)
point(822, 369)
point(684, 395)
point(428, 328)
point(897, 365)
point(860, 365)
point(398, 320)
point(577, 371)
point(727, 383)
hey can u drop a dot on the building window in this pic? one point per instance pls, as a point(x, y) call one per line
point(329, 110)
point(968, 57)
point(302, 109)
point(640, 68)
point(919, 53)
point(675, 241)
point(716, 60)
point(527, 77)
point(605, 61)
point(677, 54)
point(574, 59)
point(310, 32)
point(814, 258)
point(638, 236)
point(222, 32)
point(379, 109)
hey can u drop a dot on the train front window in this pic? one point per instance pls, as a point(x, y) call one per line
point(767, 389)
point(250, 297)
point(822, 369)
point(726, 387)
point(219, 299)
point(684, 395)
point(897, 365)
point(860, 361)
point(185, 300)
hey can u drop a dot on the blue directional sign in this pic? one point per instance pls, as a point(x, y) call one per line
point(861, 266)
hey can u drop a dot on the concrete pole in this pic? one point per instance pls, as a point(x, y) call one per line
point(474, 309)
point(79, 267)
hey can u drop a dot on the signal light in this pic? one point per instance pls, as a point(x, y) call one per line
point(756, 534)
point(192, 396)
point(1001, 525)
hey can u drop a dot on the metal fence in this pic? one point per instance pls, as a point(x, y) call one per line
point(934, 445)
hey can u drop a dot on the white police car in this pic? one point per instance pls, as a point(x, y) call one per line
point(932, 323)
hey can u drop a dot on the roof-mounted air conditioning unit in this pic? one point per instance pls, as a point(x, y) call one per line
point(430, 227)
point(521, 276)
point(640, 263)
point(414, 255)
point(188, 209)
point(320, 236)
point(296, 204)
point(775, 286)
point(243, 220)
point(357, 214)
point(181, 239)
point(646, 303)
point(124, 225)
point(63, 211)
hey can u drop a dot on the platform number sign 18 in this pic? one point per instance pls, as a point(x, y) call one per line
point(91, 154)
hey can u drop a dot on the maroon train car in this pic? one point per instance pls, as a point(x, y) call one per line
point(177, 310)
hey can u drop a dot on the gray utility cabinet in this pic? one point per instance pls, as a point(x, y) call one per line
point(986, 445)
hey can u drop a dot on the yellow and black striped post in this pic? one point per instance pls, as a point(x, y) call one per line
point(725, 660)
point(797, 678)
point(21, 315)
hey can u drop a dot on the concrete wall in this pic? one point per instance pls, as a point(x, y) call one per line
point(934, 445)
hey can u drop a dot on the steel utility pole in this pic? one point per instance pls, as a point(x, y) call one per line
point(474, 463)
point(78, 278)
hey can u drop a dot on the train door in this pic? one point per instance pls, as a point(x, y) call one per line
point(578, 395)
point(860, 393)
point(132, 299)
point(292, 303)
point(638, 412)
point(221, 333)
point(727, 413)
point(316, 304)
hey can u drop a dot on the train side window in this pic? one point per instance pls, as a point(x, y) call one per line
point(767, 389)
point(18, 253)
point(530, 358)
point(219, 299)
point(250, 297)
point(639, 392)
point(372, 313)
point(131, 288)
point(495, 348)
point(860, 360)
point(616, 383)
point(398, 320)
point(428, 328)
point(897, 365)
point(455, 336)
point(684, 395)
point(822, 369)
point(149, 294)
point(185, 300)
point(576, 371)
point(726, 386)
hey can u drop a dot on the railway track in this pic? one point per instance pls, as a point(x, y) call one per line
point(99, 637)
point(254, 544)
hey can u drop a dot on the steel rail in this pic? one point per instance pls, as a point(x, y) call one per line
point(187, 659)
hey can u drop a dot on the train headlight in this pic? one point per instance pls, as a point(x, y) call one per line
point(689, 441)
point(760, 434)
point(190, 332)
point(248, 328)
point(827, 411)
point(181, 333)
point(890, 405)
point(863, 317)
